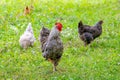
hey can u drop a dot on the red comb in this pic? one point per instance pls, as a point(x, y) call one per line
point(59, 26)
point(58, 23)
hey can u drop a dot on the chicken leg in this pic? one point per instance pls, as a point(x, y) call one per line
point(54, 67)
point(54, 63)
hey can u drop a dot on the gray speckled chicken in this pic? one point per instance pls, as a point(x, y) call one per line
point(88, 33)
point(27, 39)
point(51, 44)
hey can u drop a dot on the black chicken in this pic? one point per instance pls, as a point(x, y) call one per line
point(88, 33)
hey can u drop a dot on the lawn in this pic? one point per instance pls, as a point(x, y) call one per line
point(98, 61)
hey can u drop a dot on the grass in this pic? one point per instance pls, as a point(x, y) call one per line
point(99, 61)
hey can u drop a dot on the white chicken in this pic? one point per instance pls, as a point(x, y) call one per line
point(27, 39)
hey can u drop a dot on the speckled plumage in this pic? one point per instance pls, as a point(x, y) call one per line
point(51, 45)
point(88, 33)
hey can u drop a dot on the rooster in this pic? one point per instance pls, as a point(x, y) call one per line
point(88, 33)
point(51, 44)
point(27, 39)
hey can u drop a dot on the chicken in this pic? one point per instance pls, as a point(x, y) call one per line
point(27, 10)
point(51, 44)
point(27, 39)
point(88, 33)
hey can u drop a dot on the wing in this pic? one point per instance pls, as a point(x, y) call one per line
point(95, 32)
point(87, 38)
point(53, 49)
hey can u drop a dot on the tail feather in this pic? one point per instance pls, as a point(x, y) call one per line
point(99, 22)
point(29, 28)
point(44, 33)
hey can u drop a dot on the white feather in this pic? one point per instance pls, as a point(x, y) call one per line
point(27, 38)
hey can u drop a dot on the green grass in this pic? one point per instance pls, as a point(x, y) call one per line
point(99, 61)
